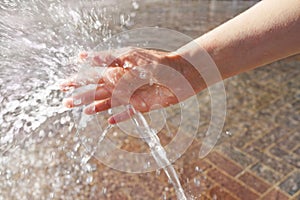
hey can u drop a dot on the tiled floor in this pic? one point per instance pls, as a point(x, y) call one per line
point(261, 159)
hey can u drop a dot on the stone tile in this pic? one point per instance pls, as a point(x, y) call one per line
point(243, 138)
point(198, 186)
point(291, 141)
point(266, 117)
point(277, 165)
point(297, 151)
point(265, 73)
point(236, 155)
point(119, 196)
point(275, 195)
point(289, 116)
point(290, 158)
point(288, 98)
point(282, 73)
point(297, 197)
point(264, 99)
point(204, 197)
point(220, 193)
point(232, 185)
point(196, 168)
point(254, 182)
point(224, 163)
point(291, 184)
point(265, 173)
point(272, 137)
point(244, 96)
point(246, 133)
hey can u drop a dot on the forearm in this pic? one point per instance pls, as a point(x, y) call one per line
point(267, 32)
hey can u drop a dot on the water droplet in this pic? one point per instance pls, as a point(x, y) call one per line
point(143, 74)
point(18, 124)
point(104, 190)
point(164, 197)
point(228, 133)
point(77, 102)
point(157, 172)
point(135, 5)
point(295, 186)
point(42, 134)
point(127, 65)
point(151, 81)
point(89, 179)
point(197, 182)
point(115, 134)
point(62, 120)
point(85, 159)
point(198, 169)
point(51, 195)
point(147, 165)
point(215, 197)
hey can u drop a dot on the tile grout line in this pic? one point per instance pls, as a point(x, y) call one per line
point(235, 178)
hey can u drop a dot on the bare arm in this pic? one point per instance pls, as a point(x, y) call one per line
point(267, 32)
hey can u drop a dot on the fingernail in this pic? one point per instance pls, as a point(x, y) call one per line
point(68, 102)
point(90, 110)
point(83, 55)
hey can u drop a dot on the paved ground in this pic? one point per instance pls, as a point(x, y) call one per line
point(257, 156)
point(261, 159)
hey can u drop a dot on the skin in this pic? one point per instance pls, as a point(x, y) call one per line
point(268, 31)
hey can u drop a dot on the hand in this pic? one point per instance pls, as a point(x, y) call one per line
point(146, 79)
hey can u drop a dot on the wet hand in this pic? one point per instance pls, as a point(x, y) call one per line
point(145, 79)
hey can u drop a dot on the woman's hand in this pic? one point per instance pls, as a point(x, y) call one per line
point(146, 79)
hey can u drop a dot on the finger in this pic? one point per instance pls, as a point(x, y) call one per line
point(147, 98)
point(83, 56)
point(98, 106)
point(67, 85)
point(106, 59)
point(87, 97)
point(78, 82)
point(120, 117)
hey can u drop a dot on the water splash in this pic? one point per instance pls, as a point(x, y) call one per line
point(40, 158)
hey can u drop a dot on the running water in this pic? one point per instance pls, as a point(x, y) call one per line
point(158, 152)
point(40, 155)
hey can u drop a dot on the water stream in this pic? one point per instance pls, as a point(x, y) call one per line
point(158, 152)
point(40, 156)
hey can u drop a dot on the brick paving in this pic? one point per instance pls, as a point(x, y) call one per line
point(261, 159)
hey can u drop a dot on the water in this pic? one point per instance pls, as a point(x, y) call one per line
point(40, 156)
point(158, 153)
point(37, 41)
